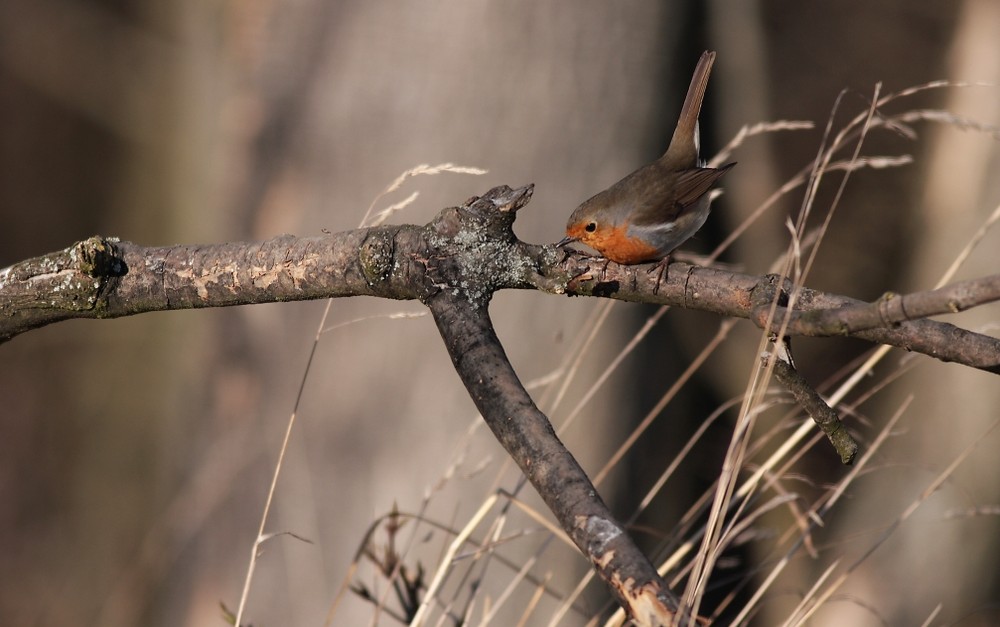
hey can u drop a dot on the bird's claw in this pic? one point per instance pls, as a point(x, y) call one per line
point(662, 273)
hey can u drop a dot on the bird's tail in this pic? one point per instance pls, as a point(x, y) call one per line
point(683, 149)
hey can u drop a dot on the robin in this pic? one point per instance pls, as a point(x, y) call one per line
point(652, 211)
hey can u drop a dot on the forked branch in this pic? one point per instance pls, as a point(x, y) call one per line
point(454, 265)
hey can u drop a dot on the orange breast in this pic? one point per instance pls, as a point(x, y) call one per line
point(615, 244)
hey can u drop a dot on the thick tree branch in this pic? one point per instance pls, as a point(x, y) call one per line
point(530, 440)
point(106, 278)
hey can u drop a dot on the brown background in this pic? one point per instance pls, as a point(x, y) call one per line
point(135, 454)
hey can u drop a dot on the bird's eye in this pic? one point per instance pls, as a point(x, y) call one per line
point(591, 227)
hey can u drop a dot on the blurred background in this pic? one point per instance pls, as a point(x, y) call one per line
point(135, 454)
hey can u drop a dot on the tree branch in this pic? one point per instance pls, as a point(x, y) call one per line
point(737, 295)
point(528, 437)
point(107, 278)
point(892, 308)
point(809, 399)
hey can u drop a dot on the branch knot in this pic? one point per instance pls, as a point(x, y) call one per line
point(473, 249)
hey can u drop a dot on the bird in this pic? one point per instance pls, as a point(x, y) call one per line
point(645, 216)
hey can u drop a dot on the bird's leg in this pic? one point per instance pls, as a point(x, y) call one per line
point(661, 269)
point(604, 261)
point(604, 267)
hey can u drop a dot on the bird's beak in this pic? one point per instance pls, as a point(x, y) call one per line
point(566, 240)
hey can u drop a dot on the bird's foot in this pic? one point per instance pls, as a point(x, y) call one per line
point(661, 269)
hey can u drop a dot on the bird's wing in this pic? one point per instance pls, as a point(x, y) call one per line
point(690, 185)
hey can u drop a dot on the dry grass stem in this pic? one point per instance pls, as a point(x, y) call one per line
point(420, 170)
